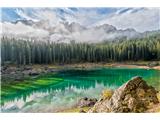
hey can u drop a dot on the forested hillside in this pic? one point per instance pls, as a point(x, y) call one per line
point(17, 51)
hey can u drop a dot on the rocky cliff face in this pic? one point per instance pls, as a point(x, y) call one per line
point(133, 96)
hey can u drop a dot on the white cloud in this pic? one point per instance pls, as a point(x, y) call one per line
point(61, 33)
point(141, 20)
point(51, 27)
point(22, 30)
point(25, 16)
point(49, 16)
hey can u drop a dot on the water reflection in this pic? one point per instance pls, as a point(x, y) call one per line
point(53, 100)
point(76, 84)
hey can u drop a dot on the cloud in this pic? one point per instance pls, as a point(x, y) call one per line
point(141, 20)
point(49, 16)
point(22, 30)
point(23, 15)
point(51, 26)
point(89, 16)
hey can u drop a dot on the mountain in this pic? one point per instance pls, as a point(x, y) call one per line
point(79, 24)
point(140, 19)
point(66, 32)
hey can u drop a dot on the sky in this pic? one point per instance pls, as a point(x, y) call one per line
point(140, 19)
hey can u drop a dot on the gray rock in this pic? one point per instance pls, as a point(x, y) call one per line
point(86, 102)
point(133, 96)
point(50, 70)
point(33, 72)
point(27, 68)
point(152, 64)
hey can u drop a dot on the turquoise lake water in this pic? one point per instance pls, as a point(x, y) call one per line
point(75, 85)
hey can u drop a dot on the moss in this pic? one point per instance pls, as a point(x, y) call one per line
point(107, 94)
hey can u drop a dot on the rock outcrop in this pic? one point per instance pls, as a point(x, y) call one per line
point(133, 96)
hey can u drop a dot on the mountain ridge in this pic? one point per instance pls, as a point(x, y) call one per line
point(67, 32)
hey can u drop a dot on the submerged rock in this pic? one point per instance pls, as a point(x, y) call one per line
point(133, 96)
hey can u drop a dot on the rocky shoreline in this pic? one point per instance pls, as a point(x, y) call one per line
point(135, 96)
point(13, 72)
point(18, 73)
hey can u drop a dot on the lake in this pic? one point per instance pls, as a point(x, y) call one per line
point(70, 86)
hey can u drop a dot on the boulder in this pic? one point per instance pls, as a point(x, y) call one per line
point(50, 70)
point(133, 96)
point(158, 95)
point(27, 68)
point(86, 102)
point(33, 72)
point(153, 64)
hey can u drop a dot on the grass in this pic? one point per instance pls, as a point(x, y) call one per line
point(17, 88)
